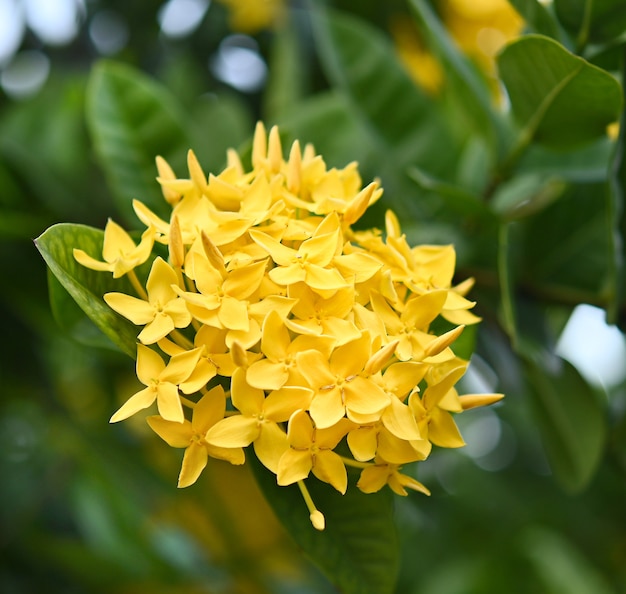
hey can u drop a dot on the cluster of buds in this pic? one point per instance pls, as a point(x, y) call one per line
point(274, 323)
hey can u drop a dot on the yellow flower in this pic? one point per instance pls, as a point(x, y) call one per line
point(309, 263)
point(375, 477)
point(279, 366)
point(215, 358)
point(191, 436)
point(259, 420)
point(311, 449)
point(435, 423)
point(222, 298)
point(316, 331)
point(312, 314)
point(163, 311)
point(341, 385)
point(251, 16)
point(119, 251)
point(161, 383)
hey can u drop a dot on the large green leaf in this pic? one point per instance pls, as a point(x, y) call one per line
point(405, 124)
point(558, 98)
point(133, 119)
point(570, 417)
point(86, 286)
point(569, 414)
point(359, 548)
point(538, 17)
point(592, 20)
point(467, 87)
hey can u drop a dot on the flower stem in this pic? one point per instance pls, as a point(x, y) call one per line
point(316, 516)
point(355, 464)
point(132, 276)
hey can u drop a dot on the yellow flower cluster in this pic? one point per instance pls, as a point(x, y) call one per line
point(278, 325)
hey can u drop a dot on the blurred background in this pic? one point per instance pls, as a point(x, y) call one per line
point(88, 507)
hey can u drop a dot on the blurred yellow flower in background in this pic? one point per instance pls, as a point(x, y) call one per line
point(480, 28)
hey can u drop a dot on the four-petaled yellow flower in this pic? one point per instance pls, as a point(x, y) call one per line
point(191, 435)
point(162, 312)
point(161, 383)
point(119, 251)
point(312, 450)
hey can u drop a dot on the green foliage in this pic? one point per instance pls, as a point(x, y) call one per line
point(558, 99)
point(85, 286)
point(531, 197)
point(358, 549)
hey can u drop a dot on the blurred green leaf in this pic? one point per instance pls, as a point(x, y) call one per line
point(525, 195)
point(598, 20)
point(569, 414)
point(404, 123)
point(538, 17)
point(585, 164)
point(329, 111)
point(219, 122)
point(566, 248)
point(466, 86)
point(285, 86)
point(72, 319)
point(133, 119)
point(86, 286)
point(359, 549)
point(560, 566)
point(558, 98)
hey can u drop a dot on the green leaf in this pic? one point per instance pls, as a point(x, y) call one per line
point(404, 123)
point(359, 548)
point(285, 86)
point(567, 249)
point(466, 86)
point(558, 98)
point(570, 417)
point(592, 20)
point(525, 195)
point(86, 286)
point(132, 119)
point(538, 17)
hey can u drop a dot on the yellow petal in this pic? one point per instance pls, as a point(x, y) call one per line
point(327, 408)
point(180, 367)
point(233, 432)
point(194, 462)
point(138, 311)
point(300, 430)
point(373, 478)
point(87, 261)
point(157, 329)
point(442, 430)
point(270, 445)
point(329, 467)
point(233, 314)
point(363, 443)
point(281, 404)
point(168, 402)
point(473, 400)
point(245, 398)
point(149, 365)
point(399, 420)
point(176, 435)
point(293, 466)
point(209, 410)
point(364, 397)
point(267, 375)
point(275, 341)
point(160, 280)
point(139, 401)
